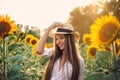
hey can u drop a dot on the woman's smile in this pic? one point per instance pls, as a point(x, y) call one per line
point(60, 39)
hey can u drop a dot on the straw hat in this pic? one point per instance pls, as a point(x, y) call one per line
point(65, 29)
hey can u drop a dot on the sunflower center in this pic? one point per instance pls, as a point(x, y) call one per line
point(4, 28)
point(28, 40)
point(87, 40)
point(22, 35)
point(93, 51)
point(107, 32)
point(33, 42)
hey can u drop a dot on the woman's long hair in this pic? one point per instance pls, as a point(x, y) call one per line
point(71, 54)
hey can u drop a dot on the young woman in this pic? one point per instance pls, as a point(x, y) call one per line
point(65, 62)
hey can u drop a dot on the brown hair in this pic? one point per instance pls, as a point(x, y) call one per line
point(71, 54)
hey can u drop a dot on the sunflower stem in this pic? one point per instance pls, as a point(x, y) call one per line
point(114, 59)
point(94, 65)
point(5, 64)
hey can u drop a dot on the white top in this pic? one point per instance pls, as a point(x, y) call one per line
point(66, 72)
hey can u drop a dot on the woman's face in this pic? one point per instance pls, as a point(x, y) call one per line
point(60, 41)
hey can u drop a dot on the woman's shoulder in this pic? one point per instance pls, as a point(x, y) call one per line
point(81, 59)
point(48, 52)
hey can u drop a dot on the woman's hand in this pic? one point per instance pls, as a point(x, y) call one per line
point(55, 24)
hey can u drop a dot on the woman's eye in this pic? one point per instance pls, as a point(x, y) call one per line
point(61, 37)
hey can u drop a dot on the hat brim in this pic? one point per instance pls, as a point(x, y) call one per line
point(75, 34)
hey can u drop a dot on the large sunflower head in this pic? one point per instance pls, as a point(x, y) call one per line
point(28, 38)
point(104, 30)
point(6, 26)
point(91, 51)
point(87, 38)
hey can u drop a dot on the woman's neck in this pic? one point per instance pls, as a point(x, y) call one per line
point(63, 59)
point(64, 56)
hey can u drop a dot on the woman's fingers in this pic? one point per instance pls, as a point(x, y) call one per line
point(56, 24)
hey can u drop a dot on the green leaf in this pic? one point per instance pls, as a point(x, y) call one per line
point(44, 60)
point(109, 77)
point(1, 48)
point(30, 64)
point(11, 37)
point(95, 76)
point(16, 67)
point(13, 75)
point(24, 78)
point(17, 58)
point(13, 46)
point(103, 54)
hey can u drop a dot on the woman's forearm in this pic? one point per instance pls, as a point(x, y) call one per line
point(41, 42)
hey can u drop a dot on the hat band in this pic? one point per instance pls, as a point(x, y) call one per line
point(63, 30)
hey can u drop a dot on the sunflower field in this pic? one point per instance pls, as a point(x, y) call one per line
point(18, 60)
point(100, 50)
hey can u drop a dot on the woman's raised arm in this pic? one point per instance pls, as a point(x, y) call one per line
point(42, 40)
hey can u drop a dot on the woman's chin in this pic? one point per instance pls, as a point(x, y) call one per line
point(61, 48)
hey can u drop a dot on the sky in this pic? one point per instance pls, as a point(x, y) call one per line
point(40, 13)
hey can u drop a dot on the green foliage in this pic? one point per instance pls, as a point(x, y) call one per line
point(13, 46)
point(101, 54)
point(13, 73)
point(17, 61)
point(96, 76)
point(103, 67)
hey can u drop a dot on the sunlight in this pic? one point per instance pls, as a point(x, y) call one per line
point(42, 13)
point(87, 2)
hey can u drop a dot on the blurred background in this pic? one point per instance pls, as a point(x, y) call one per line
point(22, 22)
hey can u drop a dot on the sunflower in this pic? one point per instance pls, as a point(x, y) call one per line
point(91, 51)
point(22, 35)
point(33, 41)
point(87, 38)
point(28, 38)
point(104, 30)
point(48, 45)
point(6, 26)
